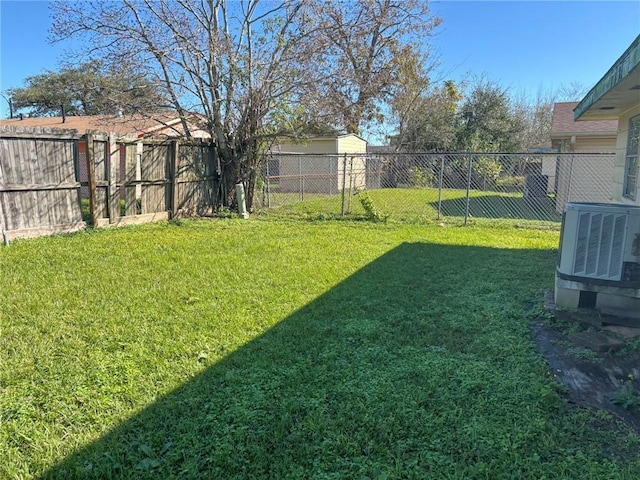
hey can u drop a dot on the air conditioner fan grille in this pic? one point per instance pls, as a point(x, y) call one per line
point(599, 245)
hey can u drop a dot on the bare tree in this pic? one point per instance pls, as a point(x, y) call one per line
point(367, 49)
point(231, 63)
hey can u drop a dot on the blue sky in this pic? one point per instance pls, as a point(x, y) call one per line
point(525, 46)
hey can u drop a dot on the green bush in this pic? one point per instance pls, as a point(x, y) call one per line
point(511, 183)
point(420, 177)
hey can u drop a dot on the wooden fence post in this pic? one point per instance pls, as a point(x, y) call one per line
point(113, 197)
point(174, 165)
point(91, 171)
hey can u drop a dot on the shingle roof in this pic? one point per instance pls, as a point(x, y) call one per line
point(562, 122)
point(162, 124)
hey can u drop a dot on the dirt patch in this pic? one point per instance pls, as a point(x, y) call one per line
point(602, 380)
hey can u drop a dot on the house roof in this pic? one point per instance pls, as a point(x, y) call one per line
point(161, 124)
point(563, 123)
point(618, 90)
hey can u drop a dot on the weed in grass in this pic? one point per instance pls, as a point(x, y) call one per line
point(631, 345)
point(627, 397)
point(371, 213)
point(584, 354)
point(225, 212)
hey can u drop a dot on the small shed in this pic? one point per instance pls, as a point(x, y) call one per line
point(322, 164)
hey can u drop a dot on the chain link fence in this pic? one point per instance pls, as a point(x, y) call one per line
point(423, 187)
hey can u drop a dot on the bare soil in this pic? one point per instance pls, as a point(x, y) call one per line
point(599, 380)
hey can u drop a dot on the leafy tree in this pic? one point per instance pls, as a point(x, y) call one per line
point(86, 89)
point(427, 121)
point(487, 122)
point(488, 168)
point(536, 113)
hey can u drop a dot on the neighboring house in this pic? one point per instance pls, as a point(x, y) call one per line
point(569, 136)
point(161, 125)
point(321, 174)
point(584, 178)
point(616, 97)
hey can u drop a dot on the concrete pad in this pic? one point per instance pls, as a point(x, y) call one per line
point(619, 305)
point(567, 297)
point(595, 341)
point(627, 332)
point(621, 321)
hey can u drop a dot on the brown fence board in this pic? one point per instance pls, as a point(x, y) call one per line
point(131, 168)
point(38, 189)
point(195, 179)
point(101, 175)
point(155, 167)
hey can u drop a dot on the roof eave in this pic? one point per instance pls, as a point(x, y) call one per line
point(619, 72)
point(605, 134)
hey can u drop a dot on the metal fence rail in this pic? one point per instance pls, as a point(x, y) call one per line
point(426, 186)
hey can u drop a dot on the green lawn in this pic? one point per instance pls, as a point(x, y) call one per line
point(282, 349)
point(421, 206)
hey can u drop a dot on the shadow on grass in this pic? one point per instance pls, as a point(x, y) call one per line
point(497, 206)
point(380, 375)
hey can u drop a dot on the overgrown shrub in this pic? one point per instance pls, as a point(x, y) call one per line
point(371, 212)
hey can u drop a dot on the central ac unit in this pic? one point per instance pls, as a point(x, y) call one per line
point(600, 244)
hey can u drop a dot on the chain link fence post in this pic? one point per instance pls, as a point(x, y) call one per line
point(440, 178)
point(344, 183)
point(469, 170)
point(569, 199)
point(268, 183)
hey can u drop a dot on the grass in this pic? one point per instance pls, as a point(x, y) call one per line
point(421, 206)
point(283, 349)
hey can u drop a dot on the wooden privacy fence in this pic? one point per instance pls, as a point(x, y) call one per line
point(129, 180)
point(39, 188)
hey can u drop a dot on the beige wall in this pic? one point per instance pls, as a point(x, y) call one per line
point(320, 146)
point(585, 144)
point(351, 144)
point(549, 169)
point(341, 144)
point(584, 178)
point(323, 174)
point(621, 151)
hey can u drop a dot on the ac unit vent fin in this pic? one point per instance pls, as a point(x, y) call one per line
point(599, 245)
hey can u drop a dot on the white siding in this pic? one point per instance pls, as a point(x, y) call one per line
point(621, 150)
point(351, 144)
